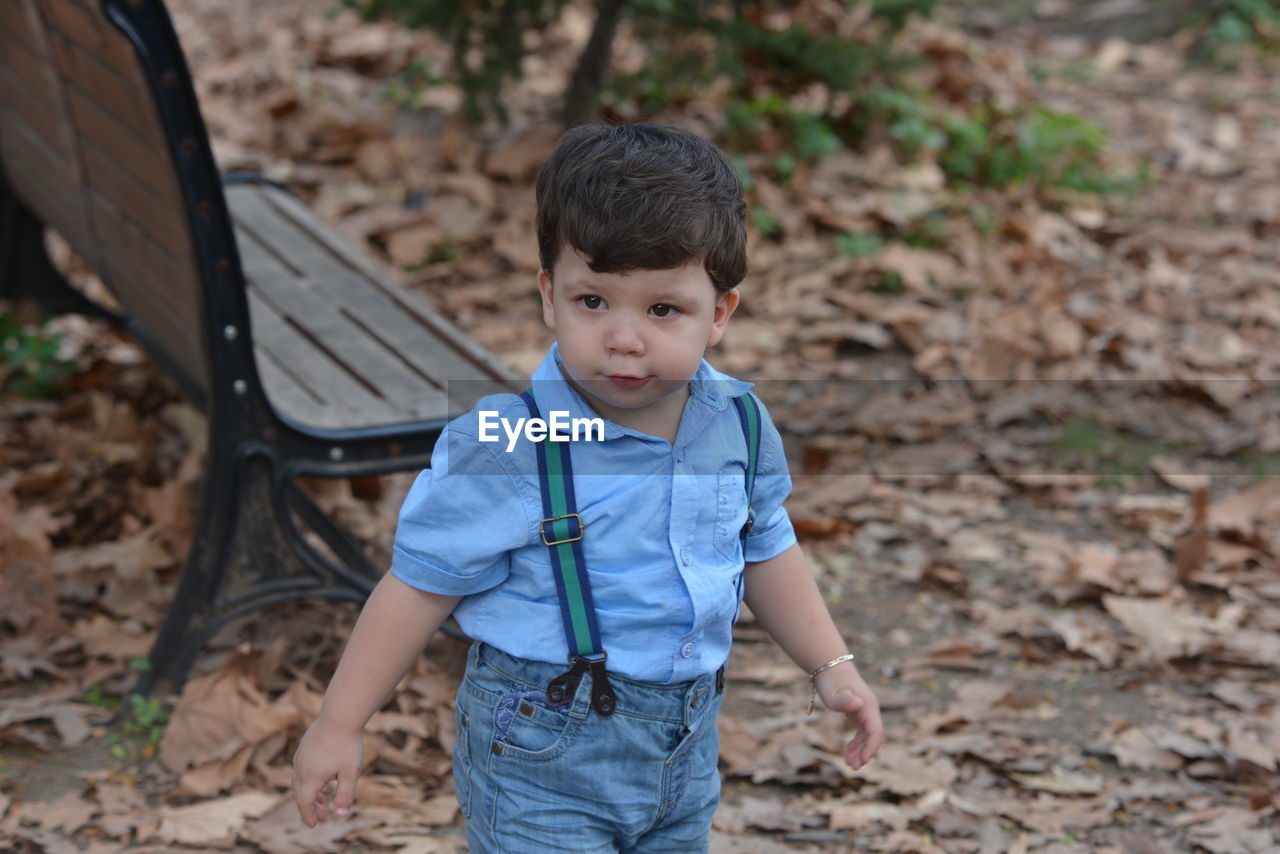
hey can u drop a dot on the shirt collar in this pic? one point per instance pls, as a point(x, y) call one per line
point(553, 392)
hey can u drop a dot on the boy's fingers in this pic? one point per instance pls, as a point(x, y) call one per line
point(346, 792)
point(305, 797)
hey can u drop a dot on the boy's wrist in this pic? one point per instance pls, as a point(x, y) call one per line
point(332, 721)
point(828, 676)
point(837, 672)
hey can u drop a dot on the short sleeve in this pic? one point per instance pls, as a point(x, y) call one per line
point(461, 519)
point(772, 533)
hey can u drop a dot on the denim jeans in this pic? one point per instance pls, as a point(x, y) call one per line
point(532, 777)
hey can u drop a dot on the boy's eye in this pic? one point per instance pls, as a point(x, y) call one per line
point(664, 310)
point(591, 302)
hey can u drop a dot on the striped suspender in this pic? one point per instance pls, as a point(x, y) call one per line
point(749, 415)
point(562, 531)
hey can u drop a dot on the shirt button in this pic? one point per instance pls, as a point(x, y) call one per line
point(686, 651)
point(680, 457)
point(684, 556)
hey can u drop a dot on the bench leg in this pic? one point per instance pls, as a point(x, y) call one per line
point(248, 553)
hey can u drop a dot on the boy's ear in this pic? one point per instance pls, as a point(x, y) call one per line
point(726, 305)
point(544, 288)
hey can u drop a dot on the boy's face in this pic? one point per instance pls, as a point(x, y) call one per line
point(632, 341)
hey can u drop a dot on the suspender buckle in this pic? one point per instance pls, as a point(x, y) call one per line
point(548, 527)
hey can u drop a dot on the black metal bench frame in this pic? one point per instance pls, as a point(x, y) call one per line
point(245, 529)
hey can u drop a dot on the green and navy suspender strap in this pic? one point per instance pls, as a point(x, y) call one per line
point(749, 415)
point(562, 531)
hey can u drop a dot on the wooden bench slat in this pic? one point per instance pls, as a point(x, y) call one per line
point(165, 224)
point(173, 280)
point(489, 366)
point(128, 151)
point(157, 318)
point(309, 246)
point(93, 32)
point(38, 115)
point(21, 53)
point(14, 21)
point(126, 101)
point(288, 395)
point(354, 351)
point(32, 168)
point(366, 306)
point(334, 399)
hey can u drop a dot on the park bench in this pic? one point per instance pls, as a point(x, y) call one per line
point(305, 356)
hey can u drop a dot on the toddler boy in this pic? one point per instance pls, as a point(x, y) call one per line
point(601, 603)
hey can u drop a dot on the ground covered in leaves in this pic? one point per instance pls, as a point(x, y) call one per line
point(1035, 457)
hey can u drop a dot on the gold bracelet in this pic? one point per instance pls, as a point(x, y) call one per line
point(813, 677)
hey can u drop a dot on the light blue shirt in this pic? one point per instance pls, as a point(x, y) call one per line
point(661, 539)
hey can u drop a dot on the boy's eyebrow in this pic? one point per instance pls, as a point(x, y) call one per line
point(660, 294)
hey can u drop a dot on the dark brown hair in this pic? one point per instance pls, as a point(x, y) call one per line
point(642, 196)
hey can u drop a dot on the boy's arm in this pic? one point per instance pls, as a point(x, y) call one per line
point(393, 628)
point(785, 600)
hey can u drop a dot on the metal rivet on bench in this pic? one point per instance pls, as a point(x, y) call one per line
point(169, 78)
point(188, 146)
point(230, 333)
point(222, 266)
point(205, 207)
point(335, 454)
point(240, 386)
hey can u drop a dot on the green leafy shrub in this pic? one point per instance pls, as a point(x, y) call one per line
point(29, 363)
point(487, 39)
point(1231, 25)
point(796, 89)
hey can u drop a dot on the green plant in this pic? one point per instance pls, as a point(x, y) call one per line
point(890, 283)
point(1231, 25)
point(860, 245)
point(31, 366)
point(441, 251)
point(142, 726)
point(486, 38)
point(140, 732)
point(95, 696)
point(1118, 457)
point(406, 88)
point(765, 222)
point(997, 147)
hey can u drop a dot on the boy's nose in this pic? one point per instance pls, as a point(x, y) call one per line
point(623, 337)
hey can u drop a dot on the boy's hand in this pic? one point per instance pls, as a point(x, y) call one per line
point(842, 689)
point(325, 754)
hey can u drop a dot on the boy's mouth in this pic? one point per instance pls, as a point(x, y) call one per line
point(627, 382)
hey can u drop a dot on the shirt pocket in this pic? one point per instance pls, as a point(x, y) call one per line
point(731, 510)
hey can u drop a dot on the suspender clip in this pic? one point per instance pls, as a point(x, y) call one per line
point(603, 698)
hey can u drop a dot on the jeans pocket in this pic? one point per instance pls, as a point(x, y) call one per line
point(527, 727)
